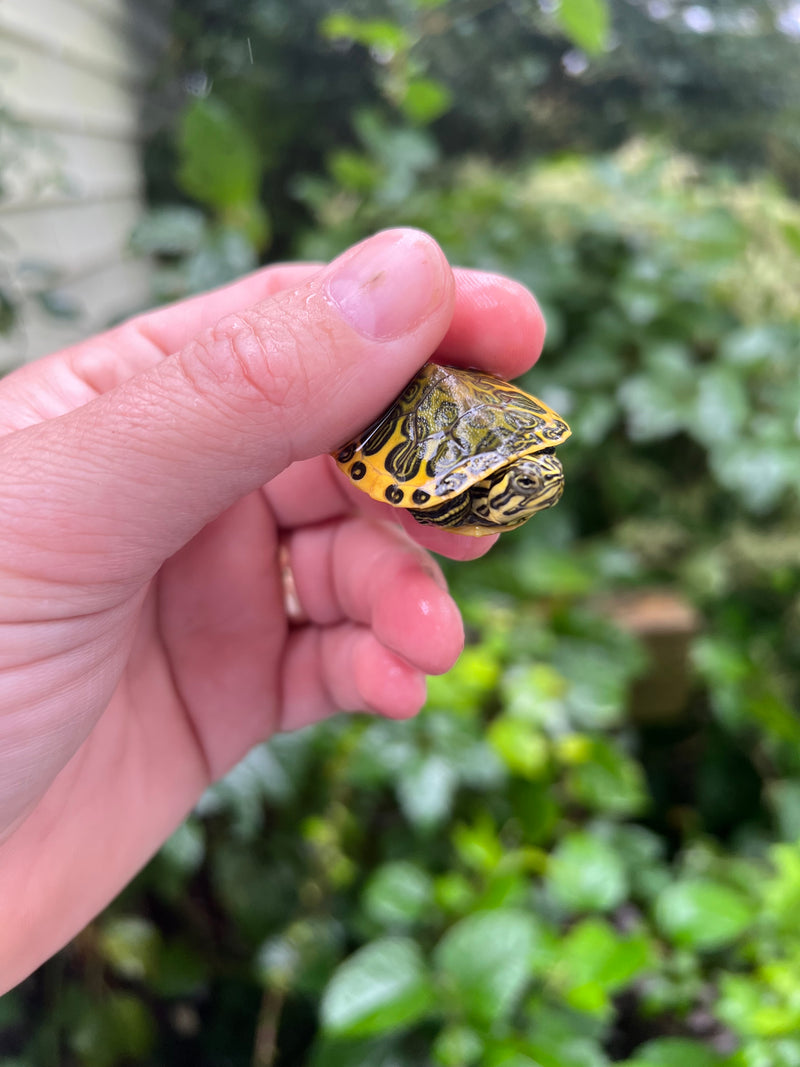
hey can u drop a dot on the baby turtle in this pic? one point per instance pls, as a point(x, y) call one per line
point(463, 450)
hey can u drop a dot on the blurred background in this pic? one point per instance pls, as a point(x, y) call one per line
point(586, 850)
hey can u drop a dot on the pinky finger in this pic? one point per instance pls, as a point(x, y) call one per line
point(345, 668)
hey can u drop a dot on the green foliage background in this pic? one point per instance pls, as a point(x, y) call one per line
point(538, 871)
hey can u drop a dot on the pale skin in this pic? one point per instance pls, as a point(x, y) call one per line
point(147, 479)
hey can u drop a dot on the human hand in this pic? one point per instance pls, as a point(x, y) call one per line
point(148, 478)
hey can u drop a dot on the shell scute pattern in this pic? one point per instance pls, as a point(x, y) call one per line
point(469, 424)
point(449, 429)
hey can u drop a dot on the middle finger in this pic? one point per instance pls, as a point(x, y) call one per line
point(373, 574)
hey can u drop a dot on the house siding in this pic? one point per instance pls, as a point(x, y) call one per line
point(73, 75)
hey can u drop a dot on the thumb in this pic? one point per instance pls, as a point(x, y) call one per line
point(135, 473)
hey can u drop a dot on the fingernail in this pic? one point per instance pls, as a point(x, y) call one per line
point(389, 284)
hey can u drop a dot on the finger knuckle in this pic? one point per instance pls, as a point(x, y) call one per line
point(247, 361)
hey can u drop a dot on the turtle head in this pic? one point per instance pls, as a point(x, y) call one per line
point(510, 496)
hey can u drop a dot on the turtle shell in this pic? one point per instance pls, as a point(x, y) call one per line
point(448, 429)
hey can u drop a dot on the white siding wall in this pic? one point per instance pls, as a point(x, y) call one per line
point(73, 73)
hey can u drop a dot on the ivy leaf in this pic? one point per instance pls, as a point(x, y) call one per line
point(585, 22)
point(425, 791)
point(379, 34)
point(172, 230)
point(593, 961)
point(702, 914)
point(674, 1052)
point(220, 166)
point(130, 945)
point(383, 986)
point(586, 874)
point(425, 100)
point(608, 780)
point(487, 959)
point(521, 747)
point(758, 473)
point(721, 407)
point(112, 1028)
point(398, 894)
point(457, 1046)
point(219, 160)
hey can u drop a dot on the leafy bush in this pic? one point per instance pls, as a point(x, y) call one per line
point(259, 95)
point(539, 870)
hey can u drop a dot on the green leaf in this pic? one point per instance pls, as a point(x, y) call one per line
point(791, 234)
point(598, 691)
point(781, 891)
point(478, 845)
point(536, 808)
point(130, 945)
point(11, 1011)
point(506, 1054)
point(534, 693)
point(383, 36)
point(380, 753)
point(784, 800)
point(722, 406)
point(758, 473)
point(182, 970)
point(585, 22)
point(586, 874)
point(425, 100)
point(487, 959)
point(560, 1037)
point(702, 914)
point(660, 401)
point(425, 791)
point(225, 255)
point(339, 26)
point(751, 346)
point(594, 961)
point(642, 852)
point(8, 312)
point(261, 776)
point(457, 1046)
point(454, 893)
point(219, 161)
point(464, 688)
point(552, 573)
point(112, 1029)
point(277, 962)
point(674, 1052)
point(183, 852)
point(59, 304)
point(398, 894)
point(353, 171)
point(381, 987)
point(301, 958)
point(764, 1005)
point(169, 231)
point(520, 745)
point(607, 780)
point(378, 34)
point(352, 1052)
